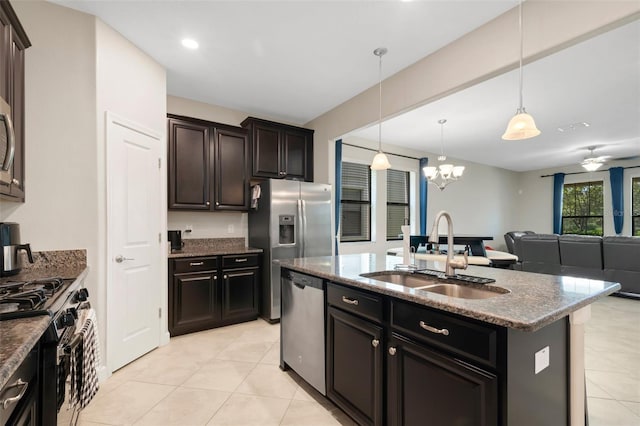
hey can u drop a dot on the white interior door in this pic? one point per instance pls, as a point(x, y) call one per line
point(134, 256)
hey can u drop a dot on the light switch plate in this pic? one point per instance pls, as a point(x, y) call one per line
point(541, 359)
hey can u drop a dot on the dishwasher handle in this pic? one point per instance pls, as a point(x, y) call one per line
point(299, 285)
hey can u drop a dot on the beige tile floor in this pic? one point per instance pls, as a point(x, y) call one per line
point(230, 376)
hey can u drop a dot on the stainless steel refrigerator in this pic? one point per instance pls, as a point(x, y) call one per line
point(292, 219)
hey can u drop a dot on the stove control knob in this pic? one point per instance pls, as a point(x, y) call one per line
point(82, 295)
point(74, 312)
point(67, 319)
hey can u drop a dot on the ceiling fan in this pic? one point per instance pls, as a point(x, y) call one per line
point(593, 163)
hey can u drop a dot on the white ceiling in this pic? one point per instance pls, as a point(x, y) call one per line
point(294, 60)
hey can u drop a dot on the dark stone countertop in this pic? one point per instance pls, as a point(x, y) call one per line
point(18, 336)
point(533, 301)
point(195, 247)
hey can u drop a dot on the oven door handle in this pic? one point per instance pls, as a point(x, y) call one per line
point(18, 383)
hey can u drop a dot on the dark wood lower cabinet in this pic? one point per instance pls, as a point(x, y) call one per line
point(211, 291)
point(427, 387)
point(194, 302)
point(240, 294)
point(355, 366)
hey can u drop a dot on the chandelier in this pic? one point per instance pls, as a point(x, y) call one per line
point(444, 174)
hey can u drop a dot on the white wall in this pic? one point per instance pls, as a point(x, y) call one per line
point(76, 69)
point(535, 209)
point(131, 85)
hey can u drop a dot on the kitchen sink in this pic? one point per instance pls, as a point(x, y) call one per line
point(460, 286)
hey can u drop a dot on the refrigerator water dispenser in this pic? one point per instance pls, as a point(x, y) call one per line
point(286, 229)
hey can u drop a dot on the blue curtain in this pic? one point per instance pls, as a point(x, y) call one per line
point(423, 196)
point(558, 182)
point(616, 176)
point(337, 189)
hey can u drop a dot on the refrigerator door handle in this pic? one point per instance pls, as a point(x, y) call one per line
point(303, 218)
point(300, 231)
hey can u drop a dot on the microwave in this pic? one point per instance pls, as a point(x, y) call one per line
point(7, 143)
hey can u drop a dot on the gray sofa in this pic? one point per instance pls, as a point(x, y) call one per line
point(612, 258)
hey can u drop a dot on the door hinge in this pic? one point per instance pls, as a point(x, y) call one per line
point(159, 237)
point(159, 163)
point(159, 312)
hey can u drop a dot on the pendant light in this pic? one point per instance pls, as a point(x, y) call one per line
point(521, 126)
point(444, 174)
point(380, 161)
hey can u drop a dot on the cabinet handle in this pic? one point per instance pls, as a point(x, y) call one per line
point(196, 263)
point(241, 260)
point(217, 203)
point(15, 181)
point(345, 299)
point(19, 382)
point(208, 203)
point(375, 343)
point(225, 277)
point(392, 350)
point(442, 331)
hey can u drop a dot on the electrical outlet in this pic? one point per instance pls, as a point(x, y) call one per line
point(230, 229)
point(188, 228)
point(541, 359)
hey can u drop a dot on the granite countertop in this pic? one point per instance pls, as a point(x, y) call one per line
point(212, 247)
point(533, 301)
point(18, 336)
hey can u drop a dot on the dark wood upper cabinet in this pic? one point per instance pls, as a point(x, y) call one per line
point(280, 151)
point(208, 165)
point(189, 165)
point(231, 177)
point(13, 42)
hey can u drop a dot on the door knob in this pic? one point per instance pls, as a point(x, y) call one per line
point(120, 258)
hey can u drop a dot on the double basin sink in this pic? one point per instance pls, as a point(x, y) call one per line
point(460, 286)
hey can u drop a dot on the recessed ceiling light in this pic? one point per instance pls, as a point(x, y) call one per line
point(190, 43)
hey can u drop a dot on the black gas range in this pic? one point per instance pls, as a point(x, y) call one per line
point(61, 299)
point(56, 297)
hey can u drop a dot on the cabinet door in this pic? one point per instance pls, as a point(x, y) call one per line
point(425, 387)
point(231, 150)
point(354, 366)
point(189, 166)
point(13, 42)
point(193, 302)
point(267, 160)
point(298, 155)
point(240, 294)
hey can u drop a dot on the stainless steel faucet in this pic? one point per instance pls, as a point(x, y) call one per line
point(451, 264)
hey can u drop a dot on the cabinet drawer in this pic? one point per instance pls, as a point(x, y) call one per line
point(21, 383)
point(195, 264)
point(356, 301)
point(463, 337)
point(239, 261)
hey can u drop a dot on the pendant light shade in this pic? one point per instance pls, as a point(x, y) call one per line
point(521, 126)
point(380, 161)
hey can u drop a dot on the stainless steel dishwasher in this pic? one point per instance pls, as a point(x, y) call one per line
point(302, 324)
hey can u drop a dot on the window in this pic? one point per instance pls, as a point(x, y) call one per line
point(635, 206)
point(582, 208)
point(355, 204)
point(397, 202)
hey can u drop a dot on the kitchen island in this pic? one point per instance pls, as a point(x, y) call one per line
point(517, 358)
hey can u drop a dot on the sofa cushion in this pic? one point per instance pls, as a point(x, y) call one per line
point(540, 253)
point(622, 261)
point(581, 256)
